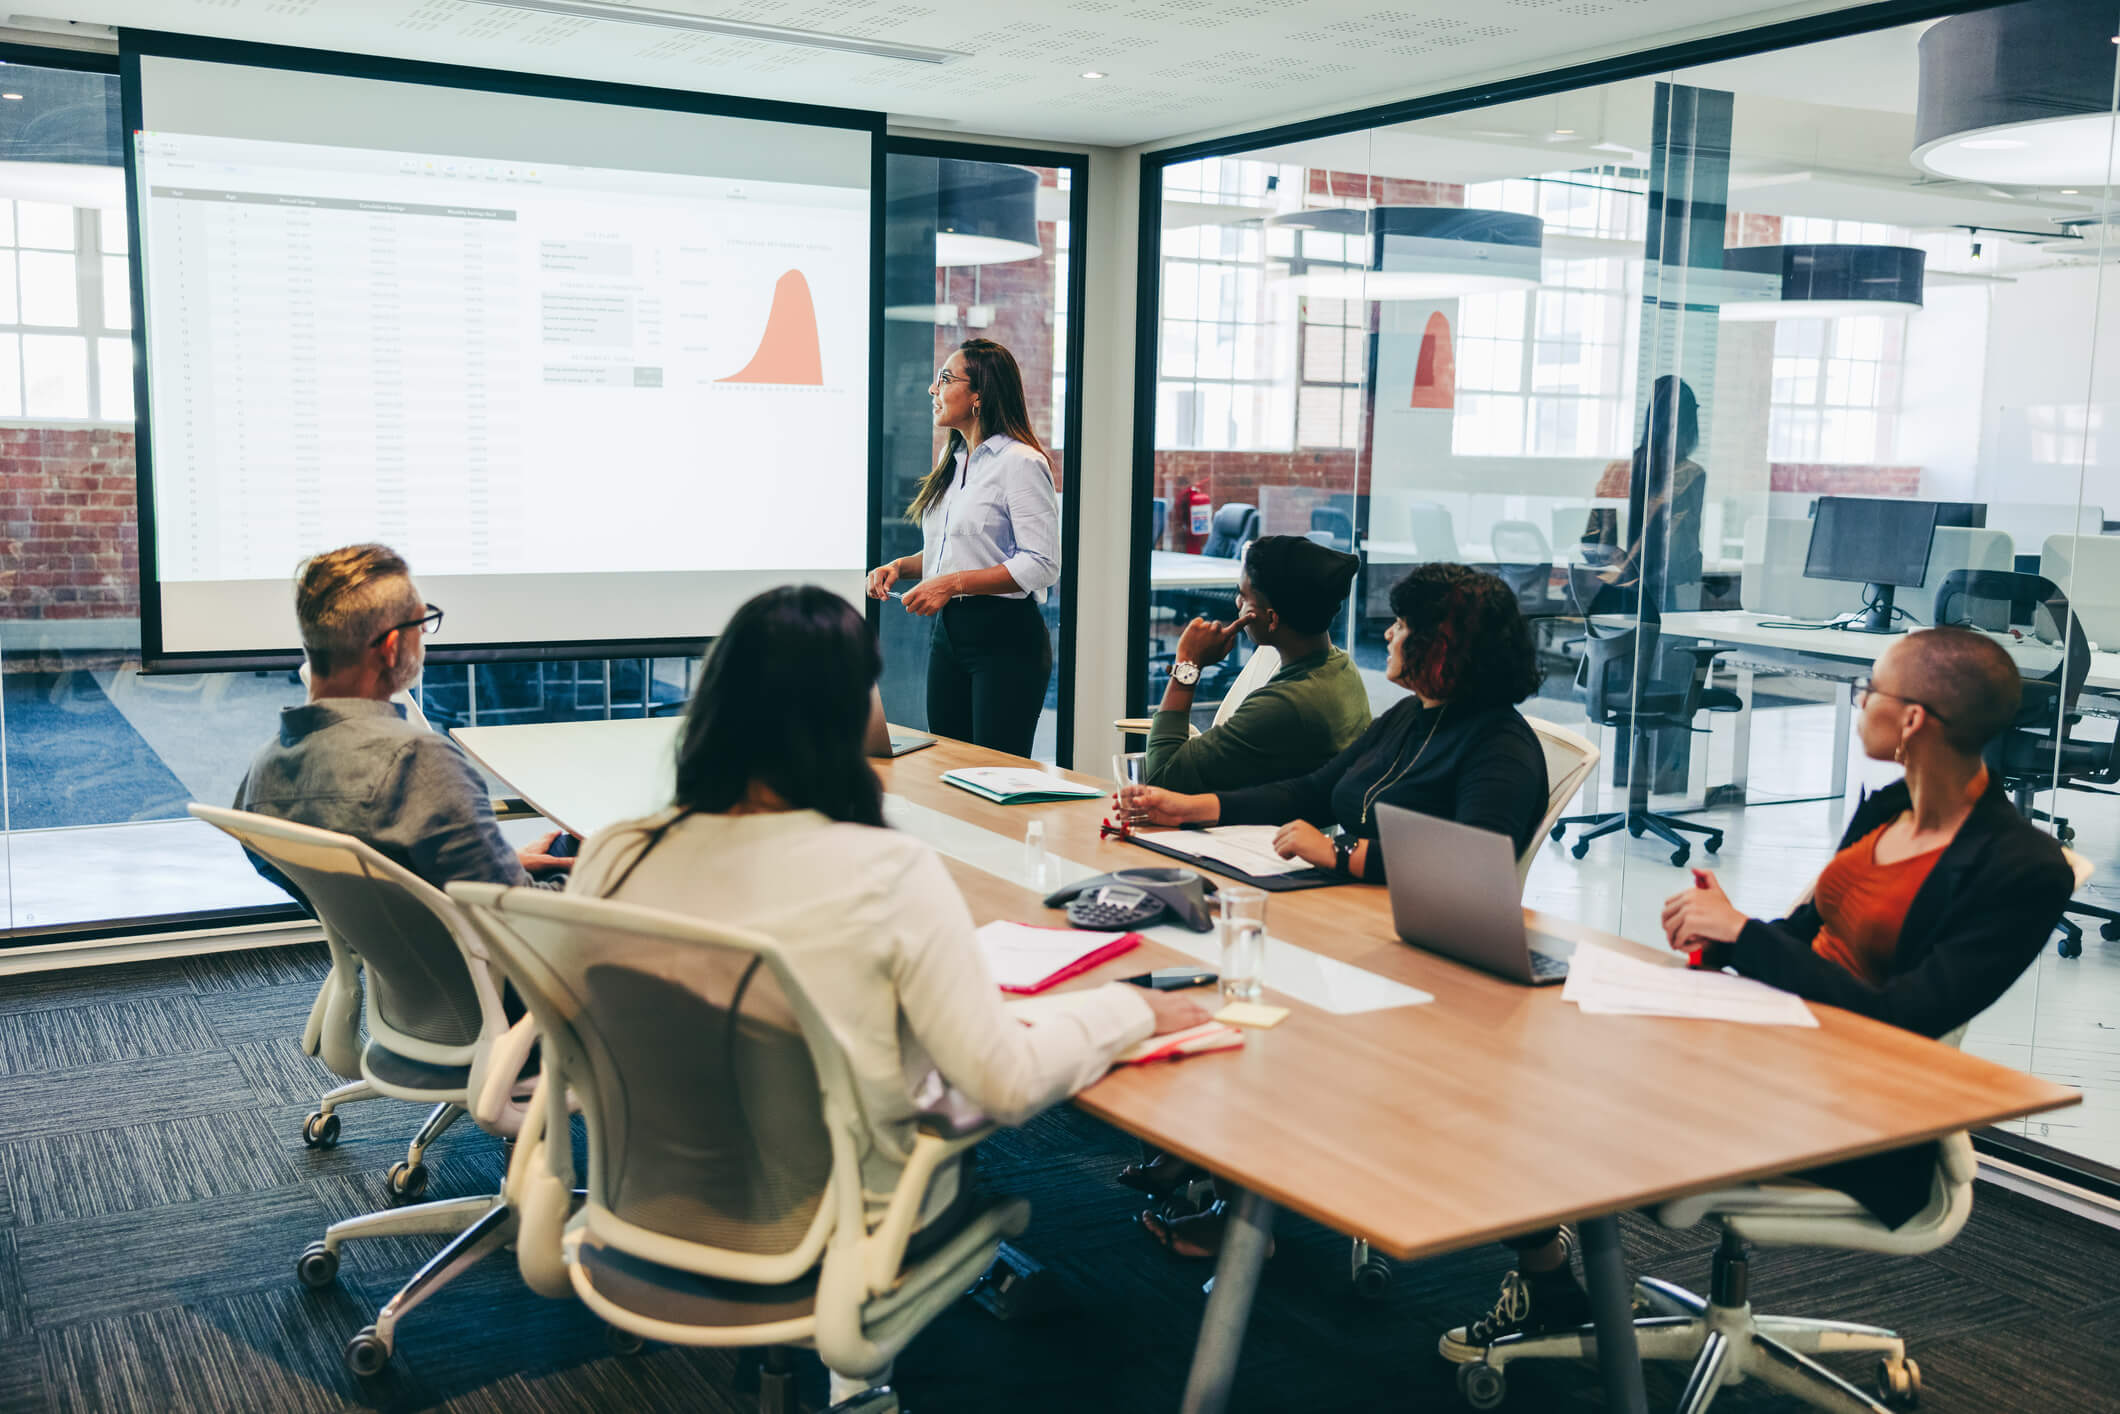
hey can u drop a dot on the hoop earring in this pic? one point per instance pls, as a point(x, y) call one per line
point(1900, 755)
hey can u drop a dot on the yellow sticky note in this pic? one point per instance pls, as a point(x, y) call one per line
point(1251, 1014)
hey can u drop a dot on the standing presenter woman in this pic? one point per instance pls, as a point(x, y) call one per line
point(990, 547)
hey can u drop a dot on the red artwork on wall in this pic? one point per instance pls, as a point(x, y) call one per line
point(1435, 376)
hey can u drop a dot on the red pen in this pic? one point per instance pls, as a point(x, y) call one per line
point(1700, 881)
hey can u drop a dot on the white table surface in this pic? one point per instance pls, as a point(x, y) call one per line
point(1171, 569)
point(1742, 626)
point(582, 776)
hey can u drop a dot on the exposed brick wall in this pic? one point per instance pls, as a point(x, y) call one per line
point(1384, 191)
point(1843, 479)
point(69, 526)
point(1244, 476)
point(1749, 228)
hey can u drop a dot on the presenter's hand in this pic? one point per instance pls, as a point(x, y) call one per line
point(881, 579)
point(931, 594)
point(1207, 642)
point(1701, 914)
point(1173, 1011)
point(539, 859)
point(1299, 839)
point(1150, 805)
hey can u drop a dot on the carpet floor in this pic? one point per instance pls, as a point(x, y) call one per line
point(154, 1190)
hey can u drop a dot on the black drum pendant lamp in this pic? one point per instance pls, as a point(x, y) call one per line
point(1415, 252)
point(1821, 281)
point(2021, 94)
point(986, 213)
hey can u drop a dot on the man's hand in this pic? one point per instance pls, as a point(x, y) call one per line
point(1207, 642)
point(539, 859)
point(1299, 839)
point(1174, 1012)
point(881, 579)
point(1701, 914)
point(932, 593)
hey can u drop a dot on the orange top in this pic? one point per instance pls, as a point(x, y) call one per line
point(1862, 905)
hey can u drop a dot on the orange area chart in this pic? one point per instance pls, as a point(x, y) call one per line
point(788, 352)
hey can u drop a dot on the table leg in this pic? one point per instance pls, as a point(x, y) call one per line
point(1741, 739)
point(1244, 1243)
point(1843, 719)
point(1612, 1310)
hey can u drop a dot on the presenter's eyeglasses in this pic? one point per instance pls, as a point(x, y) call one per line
point(1862, 688)
point(943, 378)
point(429, 622)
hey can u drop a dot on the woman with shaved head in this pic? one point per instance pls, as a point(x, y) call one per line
point(1941, 895)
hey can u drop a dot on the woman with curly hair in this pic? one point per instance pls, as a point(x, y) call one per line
point(1457, 749)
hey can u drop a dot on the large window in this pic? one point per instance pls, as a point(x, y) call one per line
point(64, 309)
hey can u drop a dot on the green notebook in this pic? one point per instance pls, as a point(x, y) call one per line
point(1018, 785)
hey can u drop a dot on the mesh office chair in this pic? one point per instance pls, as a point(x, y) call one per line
point(1723, 1338)
point(437, 1034)
point(1524, 561)
point(1570, 758)
point(728, 1156)
point(1618, 689)
point(1434, 534)
point(1332, 527)
point(2025, 755)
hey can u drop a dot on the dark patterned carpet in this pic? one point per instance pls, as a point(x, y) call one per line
point(154, 1191)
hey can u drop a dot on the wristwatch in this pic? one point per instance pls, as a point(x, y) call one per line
point(1184, 674)
point(1342, 852)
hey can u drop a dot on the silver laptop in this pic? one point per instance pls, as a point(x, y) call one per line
point(1454, 891)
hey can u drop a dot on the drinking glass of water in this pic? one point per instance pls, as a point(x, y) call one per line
point(1240, 921)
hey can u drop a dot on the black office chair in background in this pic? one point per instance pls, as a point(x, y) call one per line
point(1158, 518)
point(1619, 688)
point(2024, 756)
point(1332, 527)
point(1236, 524)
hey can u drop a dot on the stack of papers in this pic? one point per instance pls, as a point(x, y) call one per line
point(1018, 785)
point(1207, 1036)
point(1248, 849)
point(1610, 983)
point(1025, 958)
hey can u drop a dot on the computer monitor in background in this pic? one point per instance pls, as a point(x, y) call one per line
point(1883, 544)
point(1972, 515)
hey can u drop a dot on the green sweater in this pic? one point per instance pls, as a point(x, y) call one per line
point(1294, 722)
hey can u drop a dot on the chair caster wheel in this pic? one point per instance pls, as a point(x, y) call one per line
point(622, 1342)
point(320, 1130)
point(1680, 856)
point(1481, 1386)
point(2110, 932)
point(1372, 1274)
point(2070, 947)
point(318, 1266)
point(366, 1353)
point(1900, 1387)
point(407, 1182)
point(1556, 832)
point(1712, 844)
point(1579, 848)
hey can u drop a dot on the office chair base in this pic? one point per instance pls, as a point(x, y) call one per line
point(477, 1226)
point(1637, 821)
point(321, 1129)
point(1726, 1345)
point(1370, 1271)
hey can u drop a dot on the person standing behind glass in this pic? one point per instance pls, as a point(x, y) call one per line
point(989, 522)
point(1666, 491)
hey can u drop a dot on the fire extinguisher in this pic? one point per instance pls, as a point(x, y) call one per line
point(1195, 519)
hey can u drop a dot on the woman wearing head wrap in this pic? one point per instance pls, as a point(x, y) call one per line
point(1309, 711)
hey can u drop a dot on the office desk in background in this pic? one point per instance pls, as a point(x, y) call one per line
point(1834, 655)
point(1172, 569)
point(1351, 1117)
point(1406, 552)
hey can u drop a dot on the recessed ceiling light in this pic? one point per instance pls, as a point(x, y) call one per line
point(1091, 74)
point(2068, 191)
point(12, 97)
point(1564, 132)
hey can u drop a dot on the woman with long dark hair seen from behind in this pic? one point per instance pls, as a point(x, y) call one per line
point(989, 516)
point(777, 827)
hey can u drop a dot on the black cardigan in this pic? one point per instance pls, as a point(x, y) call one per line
point(1978, 921)
point(1483, 767)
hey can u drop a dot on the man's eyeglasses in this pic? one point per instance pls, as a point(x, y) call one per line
point(1861, 688)
point(429, 622)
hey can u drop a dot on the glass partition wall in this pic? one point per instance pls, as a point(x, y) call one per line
point(1813, 338)
point(975, 247)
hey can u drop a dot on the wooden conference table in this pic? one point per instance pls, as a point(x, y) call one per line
point(1493, 1110)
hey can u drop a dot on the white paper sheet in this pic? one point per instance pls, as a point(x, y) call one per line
point(1247, 848)
point(1604, 982)
point(1022, 956)
point(1021, 780)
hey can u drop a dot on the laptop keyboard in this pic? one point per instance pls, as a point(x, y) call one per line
point(1545, 964)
